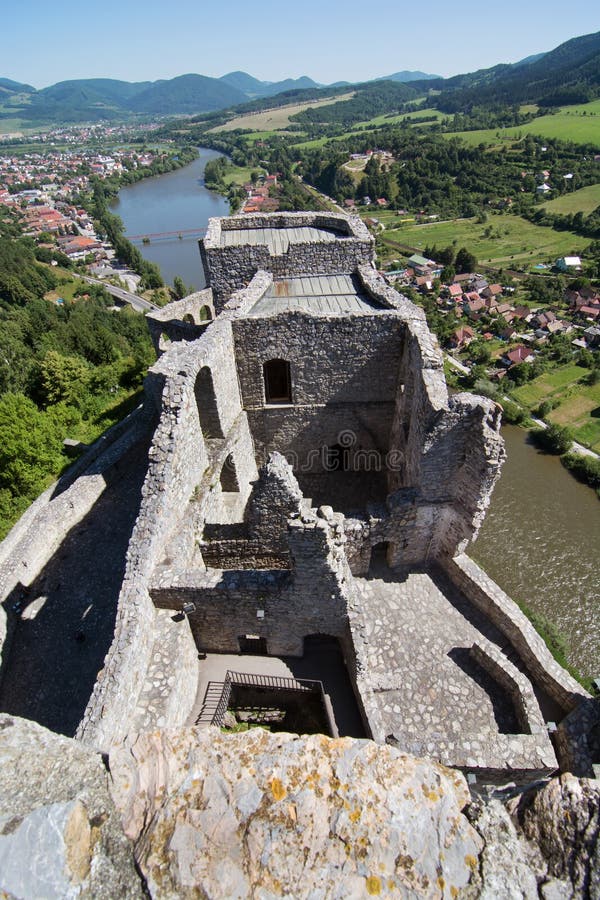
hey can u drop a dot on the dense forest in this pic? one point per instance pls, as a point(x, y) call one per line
point(66, 370)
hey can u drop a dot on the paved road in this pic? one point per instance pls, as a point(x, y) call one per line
point(138, 303)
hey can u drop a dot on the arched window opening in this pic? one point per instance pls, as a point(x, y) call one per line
point(206, 401)
point(336, 459)
point(205, 314)
point(278, 382)
point(189, 319)
point(229, 480)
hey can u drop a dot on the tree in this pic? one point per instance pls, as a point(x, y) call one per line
point(179, 288)
point(465, 261)
point(554, 439)
point(62, 378)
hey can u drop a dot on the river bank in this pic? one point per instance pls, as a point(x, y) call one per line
point(171, 205)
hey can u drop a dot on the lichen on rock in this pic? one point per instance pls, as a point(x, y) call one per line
point(267, 815)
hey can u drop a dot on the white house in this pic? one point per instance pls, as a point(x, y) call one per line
point(568, 263)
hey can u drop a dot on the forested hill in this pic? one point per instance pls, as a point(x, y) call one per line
point(568, 74)
point(67, 369)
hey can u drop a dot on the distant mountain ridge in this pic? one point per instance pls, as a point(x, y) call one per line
point(568, 74)
point(94, 99)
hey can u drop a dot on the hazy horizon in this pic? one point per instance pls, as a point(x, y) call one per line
point(150, 41)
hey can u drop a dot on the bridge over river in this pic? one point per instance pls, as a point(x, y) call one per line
point(178, 234)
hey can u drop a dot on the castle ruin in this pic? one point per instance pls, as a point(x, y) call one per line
point(307, 480)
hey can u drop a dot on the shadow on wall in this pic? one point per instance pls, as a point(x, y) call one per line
point(67, 615)
point(323, 660)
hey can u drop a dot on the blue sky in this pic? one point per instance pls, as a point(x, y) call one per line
point(329, 40)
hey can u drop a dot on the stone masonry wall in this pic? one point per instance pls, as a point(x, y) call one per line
point(229, 269)
point(38, 534)
point(334, 391)
point(508, 618)
point(178, 458)
point(181, 320)
point(310, 600)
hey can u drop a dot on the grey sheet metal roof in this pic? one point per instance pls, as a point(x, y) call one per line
point(277, 239)
point(320, 294)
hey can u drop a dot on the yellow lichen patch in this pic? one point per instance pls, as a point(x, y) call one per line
point(277, 789)
point(373, 885)
point(391, 884)
point(78, 844)
point(355, 815)
point(441, 882)
point(453, 891)
point(471, 862)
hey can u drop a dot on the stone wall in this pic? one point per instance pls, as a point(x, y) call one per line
point(183, 466)
point(228, 269)
point(508, 618)
point(40, 531)
point(182, 320)
point(311, 599)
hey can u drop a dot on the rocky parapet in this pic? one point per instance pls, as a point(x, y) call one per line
point(197, 813)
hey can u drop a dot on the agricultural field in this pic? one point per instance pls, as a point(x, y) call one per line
point(239, 174)
point(577, 405)
point(265, 135)
point(584, 200)
point(504, 240)
point(383, 120)
point(548, 386)
point(276, 119)
point(580, 124)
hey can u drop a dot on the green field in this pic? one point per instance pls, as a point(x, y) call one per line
point(577, 404)
point(513, 241)
point(584, 200)
point(548, 385)
point(275, 119)
point(265, 135)
point(239, 174)
point(580, 124)
point(383, 120)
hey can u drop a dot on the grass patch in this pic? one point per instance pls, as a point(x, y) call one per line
point(580, 124)
point(555, 642)
point(275, 119)
point(239, 174)
point(584, 200)
point(580, 411)
point(576, 404)
point(547, 385)
point(514, 241)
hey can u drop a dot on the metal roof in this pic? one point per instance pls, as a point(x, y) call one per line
point(319, 294)
point(277, 239)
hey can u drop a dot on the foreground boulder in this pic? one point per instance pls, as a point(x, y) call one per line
point(262, 815)
point(60, 835)
point(197, 813)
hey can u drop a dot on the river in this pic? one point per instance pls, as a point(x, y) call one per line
point(541, 542)
point(541, 537)
point(175, 202)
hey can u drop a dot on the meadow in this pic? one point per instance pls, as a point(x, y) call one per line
point(580, 124)
point(576, 404)
point(585, 200)
point(504, 240)
point(276, 119)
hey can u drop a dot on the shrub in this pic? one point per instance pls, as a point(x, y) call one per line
point(513, 413)
point(554, 439)
point(584, 468)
